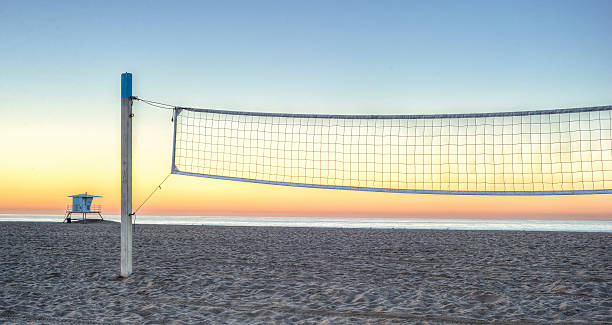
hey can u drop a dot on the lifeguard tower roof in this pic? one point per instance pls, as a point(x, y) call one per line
point(84, 195)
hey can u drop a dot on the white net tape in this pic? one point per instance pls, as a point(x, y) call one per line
point(566, 151)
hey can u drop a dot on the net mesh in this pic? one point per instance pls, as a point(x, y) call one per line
point(567, 151)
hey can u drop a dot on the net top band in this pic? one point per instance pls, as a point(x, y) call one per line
point(416, 116)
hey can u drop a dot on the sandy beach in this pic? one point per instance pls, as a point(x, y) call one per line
point(52, 273)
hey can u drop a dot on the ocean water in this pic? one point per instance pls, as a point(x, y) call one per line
point(378, 223)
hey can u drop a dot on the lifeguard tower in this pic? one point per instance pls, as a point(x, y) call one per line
point(82, 203)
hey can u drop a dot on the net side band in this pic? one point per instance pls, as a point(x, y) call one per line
point(388, 190)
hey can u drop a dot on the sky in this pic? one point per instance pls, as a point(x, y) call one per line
point(60, 90)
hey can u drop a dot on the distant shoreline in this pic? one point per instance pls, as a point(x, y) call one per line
point(389, 217)
point(355, 223)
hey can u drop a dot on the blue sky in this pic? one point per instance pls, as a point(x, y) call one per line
point(327, 56)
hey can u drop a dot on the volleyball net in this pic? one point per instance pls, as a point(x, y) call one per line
point(564, 151)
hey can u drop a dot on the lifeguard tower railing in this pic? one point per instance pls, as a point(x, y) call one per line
point(95, 208)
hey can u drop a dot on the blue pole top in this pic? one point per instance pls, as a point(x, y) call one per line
point(126, 85)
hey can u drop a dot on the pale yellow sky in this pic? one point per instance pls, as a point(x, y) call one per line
point(49, 159)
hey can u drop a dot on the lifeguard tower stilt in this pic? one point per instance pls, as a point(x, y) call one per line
point(81, 204)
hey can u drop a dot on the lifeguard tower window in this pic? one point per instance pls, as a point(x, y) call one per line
point(82, 204)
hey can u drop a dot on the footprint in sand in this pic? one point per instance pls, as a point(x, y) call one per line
point(487, 298)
